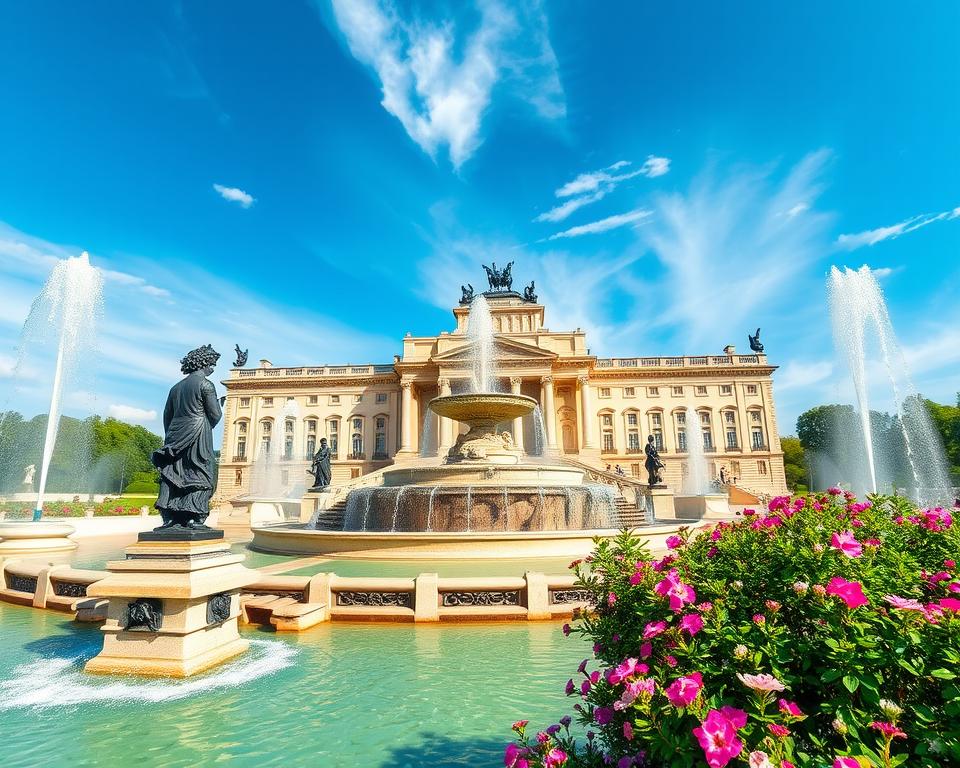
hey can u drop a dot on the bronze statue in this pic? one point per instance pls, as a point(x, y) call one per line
point(755, 344)
point(506, 279)
point(653, 464)
point(320, 467)
point(186, 461)
point(467, 291)
point(529, 293)
point(241, 357)
point(499, 279)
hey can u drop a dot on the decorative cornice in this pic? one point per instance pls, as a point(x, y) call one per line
point(281, 384)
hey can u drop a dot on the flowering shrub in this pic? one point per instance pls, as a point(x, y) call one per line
point(823, 632)
point(107, 508)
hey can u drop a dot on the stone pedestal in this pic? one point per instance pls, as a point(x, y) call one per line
point(174, 604)
point(663, 507)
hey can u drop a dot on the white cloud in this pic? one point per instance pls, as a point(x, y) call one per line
point(878, 235)
point(590, 187)
point(132, 414)
point(604, 225)
point(800, 375)
point(235, 195)
point(797, 210)
point(438, 81)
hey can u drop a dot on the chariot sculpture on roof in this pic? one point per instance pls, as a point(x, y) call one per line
point(499, 279)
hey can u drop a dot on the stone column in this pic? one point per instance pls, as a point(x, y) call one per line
point(446, 425)
point(515, 383)
point(586, 411)
point(406, 426)
point(549, 413)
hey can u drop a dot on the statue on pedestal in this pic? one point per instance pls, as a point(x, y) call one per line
point(241, 356)
point(186, 460)
point(653, 464)
point(755, 344)
point(467, 291)
point(529, 293)
point(320, 467)
point(28, 473)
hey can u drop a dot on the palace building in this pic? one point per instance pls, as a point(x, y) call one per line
point(596, 411)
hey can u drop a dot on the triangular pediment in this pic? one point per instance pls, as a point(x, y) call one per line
point(503, 349)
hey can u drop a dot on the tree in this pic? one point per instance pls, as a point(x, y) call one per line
point(794, 464)
point(946, 418)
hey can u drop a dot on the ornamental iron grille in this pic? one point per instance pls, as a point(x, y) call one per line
point(565, 596)
point(392, 599)
point(486, 597)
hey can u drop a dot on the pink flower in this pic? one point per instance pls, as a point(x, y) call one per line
point(759, 619)
point(691, 623)
point(520, 725)
point(772, 605)
point(950, 604)
point(645, 650)
point(684, 690)
point(851, 592)
point(555, 757)
point(949, 564)
point(790, 708)
point(847, 543)
point(834, 491)
point(671, 661)
point(585, 687)
point(674, 542)
point(513, 755)
point(627, 731)
point(903, 603)
point(888, 729)
point(569, 690)
point(759, 759)
point(846, 762)
point(678, 592)
point(582, 669)
point(786, 764)
point(566, 630)
point(603, 715)
point(636, 578)
point(543, 737)
point(718, 739)
point(762, 682)
point(737, 717)
point(778, 730)
point(611, 598)
point(653, 629)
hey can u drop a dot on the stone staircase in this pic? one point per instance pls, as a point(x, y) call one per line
point(331, 519)
point(631, 516)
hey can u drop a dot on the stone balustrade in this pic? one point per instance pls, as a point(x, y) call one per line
point(681, 362)
point(327, 370)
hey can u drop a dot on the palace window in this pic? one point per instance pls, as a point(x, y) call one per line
point(241, 447)
point(268, 402)
point(381, 397)
point(656, 419)
point(311, 425)
point(707, 440)
point(357, 398)
point(311, 445)
point(735, 469)
point(288, 447)
point(244, 402)
point(312, 400)
point(334, 399)
point(755, 416)
point(730, 417)
point(732, 439)
point(756, 438)
point(633, 441)
point(704, 417)
point(677, 391)
point(632, 419)
point(701, 390)
point(608, 441)
point(356, 446)
point(762, 467)
point(629, 392)
point(358, 425)
point(751, 389)
point(681, 417)
point(681, 439)
point(726, 389)
point(604, 391)
point(380, 438)
point(653, 391)
point(288, 426)
point(658, 439)
point(242, 427)
point(238, 477)
point(606, 419)
point(635, 470)
point(266, 431)
point(333, 437)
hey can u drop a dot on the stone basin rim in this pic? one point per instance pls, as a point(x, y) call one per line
point(483, 406)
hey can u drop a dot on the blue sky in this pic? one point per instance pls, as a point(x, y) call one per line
point(314, 180)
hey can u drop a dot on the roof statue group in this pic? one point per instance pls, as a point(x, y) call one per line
point(500, 281)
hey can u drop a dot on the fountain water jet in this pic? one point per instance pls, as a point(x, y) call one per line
point(858, 309)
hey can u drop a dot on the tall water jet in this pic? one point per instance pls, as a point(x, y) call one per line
point(859, 313)
point(65, 314)
point(480, 336)
point(697, 481)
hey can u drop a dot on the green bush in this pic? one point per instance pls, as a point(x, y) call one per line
point(824, 632)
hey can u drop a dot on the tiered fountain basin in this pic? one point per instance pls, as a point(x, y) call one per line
point(483, 501)
point(23, 538)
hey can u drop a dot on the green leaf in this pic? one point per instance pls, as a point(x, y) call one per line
point(850, 683)
point(943, 674)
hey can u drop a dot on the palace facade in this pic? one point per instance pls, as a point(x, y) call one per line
point(596, 411)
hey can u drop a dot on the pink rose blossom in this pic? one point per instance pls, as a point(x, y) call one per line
point(889, 730)
point(554, 758)
point(846, 762)
point(653, 629)
point(759, 759)
point(611, 598)
point(645, 650)
point(761, 682)
point(737, 717)
point(674, 542)
point(847, 543)
point(513, 754)
point(781, 731)
point(950, 604)
point(851, 592)
point(671, 661)
point(759, 619)
point(691, 623)
point(718, 739)
point(789, 708)
point(903, 603)
point(684, 690)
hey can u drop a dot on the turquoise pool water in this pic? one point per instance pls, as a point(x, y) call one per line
point(338, 695)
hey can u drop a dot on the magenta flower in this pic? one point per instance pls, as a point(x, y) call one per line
point(790, 708)
point(678, 592)
point(761, 682)
point(781, 731)
point(571, 688)
point(718, 739)
point(513, 754)
point(846, 762)
point(555, 757)
point(851, 592)
point(684, 690)
point(691, 623)
point(674, 542)
point(653, 629)
point(737, 717)
point(847, 543)
point(645, 650)
point(627, 731)
point(611, 598)
point(903, 603)
point(950, 604)
point(889, 730)
point(603, 715)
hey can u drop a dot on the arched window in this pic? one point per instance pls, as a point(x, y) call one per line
point(680, 428)
point(311, 437)
point(631, 423)
point(655, 424)
point(289, 425)
point(240, 451)
point(729, 418)
point(356, 438)
point(607, 439)
point(266, 435)
point(706, 430)
point(380, 437)
point(333, 437)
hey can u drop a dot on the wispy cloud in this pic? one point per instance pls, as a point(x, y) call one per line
point(878, 235)
point(132, 414)
point(438, 80)
point(798, 374)
point(604, 225)
point(235, 195)
point(590, 187)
